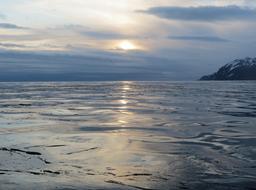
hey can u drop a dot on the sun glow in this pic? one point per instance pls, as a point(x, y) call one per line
point(126, 45)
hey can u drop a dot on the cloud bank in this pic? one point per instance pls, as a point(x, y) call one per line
point(199, 38)
point(203, 13)
point(25, 66)
point(10, 26)
point(12, 45)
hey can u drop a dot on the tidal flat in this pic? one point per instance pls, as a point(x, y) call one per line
point(128, 135)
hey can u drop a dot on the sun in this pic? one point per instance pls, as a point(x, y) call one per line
point(126, 45)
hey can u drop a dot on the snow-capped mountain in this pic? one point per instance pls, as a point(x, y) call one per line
point(240, 69)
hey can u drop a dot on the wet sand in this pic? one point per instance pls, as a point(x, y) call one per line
point(127, 136)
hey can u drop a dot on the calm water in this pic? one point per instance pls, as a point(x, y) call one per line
point(128, 135)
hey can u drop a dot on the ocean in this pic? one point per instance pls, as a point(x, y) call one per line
point(128, 135)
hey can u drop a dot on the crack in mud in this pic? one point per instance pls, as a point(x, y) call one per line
point(127, 185)
point(23, 151)
point(135, 174)
point(42, 172)
point(47, 146)
point(18, 151)
point(86, 150)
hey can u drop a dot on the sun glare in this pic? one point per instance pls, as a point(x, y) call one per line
point(126, 45)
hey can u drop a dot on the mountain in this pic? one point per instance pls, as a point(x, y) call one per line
point(240, 69)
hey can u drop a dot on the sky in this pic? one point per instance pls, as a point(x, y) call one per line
point(62, 40)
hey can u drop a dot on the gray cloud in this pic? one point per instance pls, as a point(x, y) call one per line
point(11, 45)
point(101, 34)
point(26, 66)
point(97, 34)
point(203, 13)
point(199, 38)
point(10, 26)
point(104, 35)
point(111, 35)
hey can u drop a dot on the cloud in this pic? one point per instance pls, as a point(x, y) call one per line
point(107, 35)
point(199, 38)
point(29, 66)
point(2, 16)
point(104, 35)
point(11, 45)
point(112, 35)
point(203, 13)
point(95, 33)
point(10, 26)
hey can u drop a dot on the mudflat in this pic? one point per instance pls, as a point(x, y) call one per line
point(128, 135)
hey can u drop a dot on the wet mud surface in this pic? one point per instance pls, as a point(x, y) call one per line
point(128, 135)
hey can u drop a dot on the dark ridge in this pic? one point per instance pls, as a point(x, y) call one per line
point(48, 146)
point(86, 150)
point(18, 150)
point(43, 172)
point(44, 160)
point(123, 184)
point(51, 172)
point(135, 174)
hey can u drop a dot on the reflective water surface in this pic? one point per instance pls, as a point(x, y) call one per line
point(128, 135)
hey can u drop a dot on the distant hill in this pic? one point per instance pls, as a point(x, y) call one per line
point(240, 69)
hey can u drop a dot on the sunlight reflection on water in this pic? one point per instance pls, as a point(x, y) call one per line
point(142, 135)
